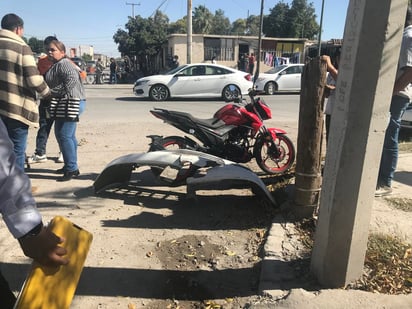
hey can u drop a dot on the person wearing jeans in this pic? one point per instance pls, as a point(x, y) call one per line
point(389, 159)
point(45, 122)
point(65, 132)
point(68, 102)
point(402, 95)
point(20, 82)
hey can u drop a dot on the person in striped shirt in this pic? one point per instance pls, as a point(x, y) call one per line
point(68, 103)
point(20, 80)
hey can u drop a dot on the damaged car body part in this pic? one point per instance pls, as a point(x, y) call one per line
point(220, 173)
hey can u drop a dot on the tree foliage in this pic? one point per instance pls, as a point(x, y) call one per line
point(220, 23)
point(202, 20)
point(144, 38)
point(35, 44)
point(295, 21)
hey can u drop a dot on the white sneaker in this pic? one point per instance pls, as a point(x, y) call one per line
point(60, 158)
point(36, 159)
point(383, 191)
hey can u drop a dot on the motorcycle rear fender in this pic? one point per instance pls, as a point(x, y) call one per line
point(275, 131)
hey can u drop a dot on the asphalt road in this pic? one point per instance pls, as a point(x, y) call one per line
point(118, 103)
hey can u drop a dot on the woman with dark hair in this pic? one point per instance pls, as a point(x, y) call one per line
point(68, 103)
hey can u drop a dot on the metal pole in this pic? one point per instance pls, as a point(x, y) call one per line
point(259, 43)
point(320, 28)
point(132, 4)
point(189, 31)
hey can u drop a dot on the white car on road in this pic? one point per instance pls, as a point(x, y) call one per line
point(281, 78)
point(199, 80)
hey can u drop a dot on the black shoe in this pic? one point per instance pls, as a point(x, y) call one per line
point(60, 171)
point(69, 175)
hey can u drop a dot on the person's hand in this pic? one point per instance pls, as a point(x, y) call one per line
point(44, 248)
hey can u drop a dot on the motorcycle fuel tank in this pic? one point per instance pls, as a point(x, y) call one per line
point(231, 114)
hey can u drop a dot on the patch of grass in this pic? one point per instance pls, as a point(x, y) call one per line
point(404, 204)
point(388, 261)
point(388, 266)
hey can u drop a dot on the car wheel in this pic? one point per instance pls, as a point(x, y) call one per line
point(159, 93)
point(270, 88)
point(231, 92)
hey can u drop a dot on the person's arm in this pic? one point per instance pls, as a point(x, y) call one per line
point(19, 211)
point(329, 66)
point(32, 75)
point(403, 80)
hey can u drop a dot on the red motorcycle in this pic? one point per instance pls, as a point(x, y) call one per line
point(235, 132)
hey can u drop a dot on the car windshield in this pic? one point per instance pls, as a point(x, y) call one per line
point(173, 71)
point(276, 69)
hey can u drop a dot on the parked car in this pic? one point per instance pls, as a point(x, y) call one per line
point(199, 80)
point(91, 67)
point(79, 62)
point(406, 121)
point(280, 78)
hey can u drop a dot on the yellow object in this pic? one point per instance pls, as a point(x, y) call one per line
point(53, 287)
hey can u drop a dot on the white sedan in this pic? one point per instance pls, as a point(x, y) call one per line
point(281, 78)
point(200, 80)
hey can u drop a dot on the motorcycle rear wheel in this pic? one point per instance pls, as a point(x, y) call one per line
point(170, 143)
point(270, 161)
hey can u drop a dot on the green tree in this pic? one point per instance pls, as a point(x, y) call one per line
point(143, 39)
point(239, 27)
point(179, 26)
point(276, 24)
point(253, 25)
point(87, 57)
point(302, 20)
point(297, 20)
point(35, 45)
point(220, 23)
point(202, 20)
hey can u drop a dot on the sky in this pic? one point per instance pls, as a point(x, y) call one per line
point(92, 22)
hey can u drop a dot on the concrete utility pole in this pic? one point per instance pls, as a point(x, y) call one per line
point(189, 32)
point(133, 5)
point(367, 71)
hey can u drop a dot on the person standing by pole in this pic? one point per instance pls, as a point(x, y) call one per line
point(401, 97)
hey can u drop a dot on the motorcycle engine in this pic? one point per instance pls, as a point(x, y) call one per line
point(237, 147)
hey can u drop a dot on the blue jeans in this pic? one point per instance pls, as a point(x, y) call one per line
point(43, 133)
point(18, 132)
point(113, 78)
point(65, 132)
point(389, 159)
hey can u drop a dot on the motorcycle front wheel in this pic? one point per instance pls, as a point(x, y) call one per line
point(178, 177)
point(275, 157)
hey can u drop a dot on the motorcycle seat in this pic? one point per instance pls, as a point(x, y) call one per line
point(212, 123)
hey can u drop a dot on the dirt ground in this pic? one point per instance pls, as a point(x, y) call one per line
point(152, 248)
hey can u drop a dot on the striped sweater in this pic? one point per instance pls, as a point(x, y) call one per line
point(64, 81)
point(19, 80)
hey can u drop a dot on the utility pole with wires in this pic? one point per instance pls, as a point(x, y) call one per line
point(133, 5)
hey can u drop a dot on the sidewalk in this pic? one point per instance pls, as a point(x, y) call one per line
point(277, 277)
